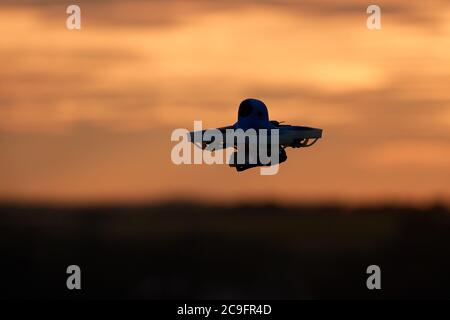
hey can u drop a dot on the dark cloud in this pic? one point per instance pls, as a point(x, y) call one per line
point(164, 13)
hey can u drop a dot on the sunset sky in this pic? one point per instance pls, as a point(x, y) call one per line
point(86, 116)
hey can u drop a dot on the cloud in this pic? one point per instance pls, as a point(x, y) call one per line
point(88, 114)
point(414, 154)
point(163, 13)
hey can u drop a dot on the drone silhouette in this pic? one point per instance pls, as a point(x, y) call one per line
point(253, 114)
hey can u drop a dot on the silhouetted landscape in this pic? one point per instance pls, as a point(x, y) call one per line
point(186, 250)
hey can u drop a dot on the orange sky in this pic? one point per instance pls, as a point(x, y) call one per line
point(87, 115)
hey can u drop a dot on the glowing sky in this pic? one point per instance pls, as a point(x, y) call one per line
point(87, 115)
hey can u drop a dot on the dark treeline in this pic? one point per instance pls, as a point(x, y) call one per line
point(183, 250)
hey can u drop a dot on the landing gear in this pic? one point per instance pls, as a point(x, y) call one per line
point(282, 157)
point(303, 143)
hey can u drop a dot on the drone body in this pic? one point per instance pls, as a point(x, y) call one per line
point(253, 116)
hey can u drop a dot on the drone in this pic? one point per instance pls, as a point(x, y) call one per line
point(253, 115)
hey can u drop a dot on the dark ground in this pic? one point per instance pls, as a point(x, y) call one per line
point(203, 252)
